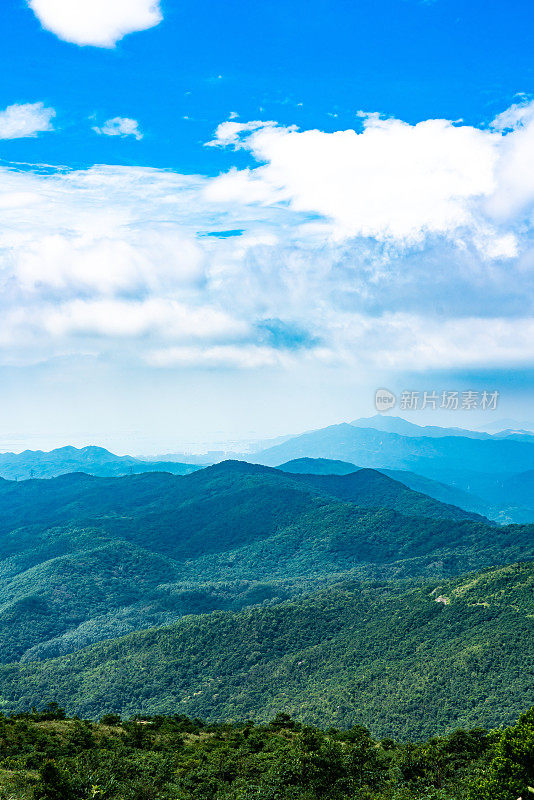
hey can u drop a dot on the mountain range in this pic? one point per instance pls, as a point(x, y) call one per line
point(324, 586)
point(92, 460)
point(497, 472)
point(85, 559)
point(490, 474)
point(434, 457)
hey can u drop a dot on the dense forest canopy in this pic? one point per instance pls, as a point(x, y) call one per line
point(405, 660)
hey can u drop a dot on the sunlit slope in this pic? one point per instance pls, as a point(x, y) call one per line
point(402, 660)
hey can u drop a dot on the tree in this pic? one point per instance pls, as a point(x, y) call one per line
point(55, 785)
point(510, 774)
point(111, 719)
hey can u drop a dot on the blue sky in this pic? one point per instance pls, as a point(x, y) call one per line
point(404, 58)
point(251, 215)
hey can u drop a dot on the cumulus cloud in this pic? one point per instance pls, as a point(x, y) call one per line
point(101, 23)
point(513, 197)
point(120, 126)
point(23, 120)
point(408, 246)
point(391, 181)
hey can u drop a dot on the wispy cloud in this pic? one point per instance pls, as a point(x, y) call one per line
point(101, 23)
point(25, 119)
point(120, 126)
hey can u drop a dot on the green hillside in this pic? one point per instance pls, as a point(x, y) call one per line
point(84, 559)
point(451, 495)
point(405, 661)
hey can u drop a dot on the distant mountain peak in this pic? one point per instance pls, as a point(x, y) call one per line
point(401, 426)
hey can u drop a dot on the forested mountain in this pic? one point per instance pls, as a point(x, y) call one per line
point(433, 457)
point(84, 559)
point(91, 460)
point(79, 496)
point(450, 495)
point(243, 590)
point(407, 661)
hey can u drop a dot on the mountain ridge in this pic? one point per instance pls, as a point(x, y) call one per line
point(90, 459)
point(228, 536)
point(480, 467)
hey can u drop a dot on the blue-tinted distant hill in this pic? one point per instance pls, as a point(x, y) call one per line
point(318, 466)
point(483, 467)
point(439, 491)
point(434, 457)
point(91, 460)
point(382, 422)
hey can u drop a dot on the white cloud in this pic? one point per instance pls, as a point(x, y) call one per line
point(391, 181)
point(513, 197)
point(427, 263)
point(219, 356)
point(230, 133)
point(158, 317)
point(23, 120)
point(101, 23)
point(417, 342)
point(516, 116)
point(92, 260)
point(120, 126)
point(394, 181)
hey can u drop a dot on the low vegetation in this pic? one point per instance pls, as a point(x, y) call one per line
point(46, 756)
